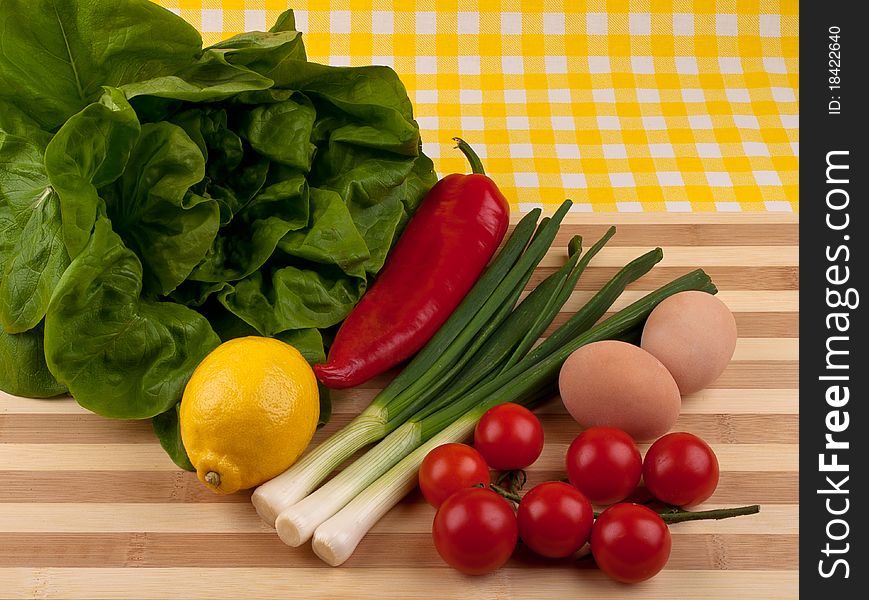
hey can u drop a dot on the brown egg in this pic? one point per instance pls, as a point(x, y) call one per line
point(617, 384)
point(694, 335)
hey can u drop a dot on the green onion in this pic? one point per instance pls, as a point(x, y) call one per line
point(296, 522)
point(337, 537)
point(424, 376)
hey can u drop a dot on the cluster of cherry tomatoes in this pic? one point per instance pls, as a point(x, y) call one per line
point(476, 529)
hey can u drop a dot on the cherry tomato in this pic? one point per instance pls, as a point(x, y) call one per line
point(604, 464)
point(475, 531)
point(630, 542)
point(450, 468)
point(554, 519)
point(509, 437)
point(681, 469)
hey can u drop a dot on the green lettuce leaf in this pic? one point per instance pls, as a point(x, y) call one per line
point(152, 208)
point(39, 259)
point(56, 55)
point(282, 131)
point(22, 365)
point(208, 79)
point(250, 240)
point(291, 297)
point(22, 183)
point(15, 121)
point(332, 238)
point(120, 355)
point(89, 151)
point(264, 52)
point(32, 254)
point(234, 172)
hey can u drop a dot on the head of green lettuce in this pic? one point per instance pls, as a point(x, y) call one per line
point(158, 197)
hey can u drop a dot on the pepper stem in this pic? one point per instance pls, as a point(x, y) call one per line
point(476, 164)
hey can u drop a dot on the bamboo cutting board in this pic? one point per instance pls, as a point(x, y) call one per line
point(93, 508)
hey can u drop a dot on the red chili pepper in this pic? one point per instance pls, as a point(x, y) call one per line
point(436, 261)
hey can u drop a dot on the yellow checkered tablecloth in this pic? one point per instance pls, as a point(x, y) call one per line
point(620, 105)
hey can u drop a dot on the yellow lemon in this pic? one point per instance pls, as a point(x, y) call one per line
point(249, 410)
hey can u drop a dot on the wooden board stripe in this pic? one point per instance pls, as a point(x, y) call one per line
point(681, 234)
point(690, 551)
point(735, 402)
point(242, 518)
point(710, 401)
point(748, 349)
point(736, 300)
point(763, 349)
point(686, 256)
point(128, 486)
point(375, 583)
point(665, 218)
point(758, 374)
point(722, 428)
point(150, 457)
point(92, 429)
point(773, 324)
point(11, 405)
point(726, 278)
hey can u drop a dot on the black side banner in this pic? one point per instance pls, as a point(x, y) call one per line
point(834, 437)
